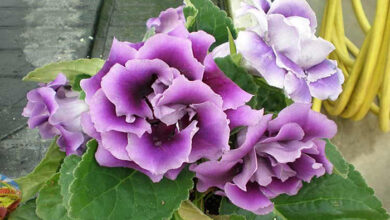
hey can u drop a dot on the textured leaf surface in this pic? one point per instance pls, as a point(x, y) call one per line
point(204, 15)
point(25, 212)
point(48, 166)
point(270, 98)
point(49, 201)
point(67, 177)
point(69, 68)
point(188, 211)
point(342, 195)
point(121, 193)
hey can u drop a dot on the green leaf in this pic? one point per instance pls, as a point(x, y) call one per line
point(25, 212)
point(236, 213)
point(122, 193)
point(340, 166)
point(49, 201)
point(272, 99)
point(149, 33)
point(66, 177)
point(188, 211)
point(204, 15)
point(232, 44)
point(69, 68)
point(237, 74)
point(342, 195)
point(48, 166)
point(76, 83)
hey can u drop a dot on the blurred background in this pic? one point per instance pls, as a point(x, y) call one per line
point(37, 32)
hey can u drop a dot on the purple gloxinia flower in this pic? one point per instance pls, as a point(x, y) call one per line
point(55, 109)
point(282, 48)
point(273, 157)
point(170, 21)
point(157, 105)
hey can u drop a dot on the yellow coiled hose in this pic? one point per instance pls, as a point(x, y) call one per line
point(366, 71)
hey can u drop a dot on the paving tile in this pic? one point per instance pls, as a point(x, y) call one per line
point(13, 90)
point(21, 152)
point(13, 63)
point(34, 33)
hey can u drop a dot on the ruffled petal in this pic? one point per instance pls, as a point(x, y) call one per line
point(120, 53)
point(201, 42)
point(277, 187)
point(243, 116)
point(88, 126)
point(127, 87)
point(185, 92)
point(288, 132)
point(261, 57)
point(212, 139)
point(105, 158)
point(329, 87)
point(307, 167)
point(283, 152)
point(70, 142)
point(248, 170)
point(233, 96)
point(115, 142)
point(315, 124)
point(297, 89)
point(104, 117)
point(298, 8)
point(175, 51)
point(214, 173)
point(252, 199)
point(252, 136)
point(160, 156)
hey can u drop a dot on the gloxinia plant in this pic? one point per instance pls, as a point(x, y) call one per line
point(280, 45)
point(196, 121)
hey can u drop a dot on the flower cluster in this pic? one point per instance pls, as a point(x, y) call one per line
point(161, 104)
point(282, 47)
point(273, 157)
point(55, 109)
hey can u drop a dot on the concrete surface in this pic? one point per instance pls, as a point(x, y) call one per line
point(34, 33)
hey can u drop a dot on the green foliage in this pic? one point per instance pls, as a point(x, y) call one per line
point(69, 68)
point(76, 83)
point(272, 99)
point(49, 201)
point(188, 211)
point(237, 74)
point(66, 177)
point(121, 193)
point(204, 15)
point(149, 33)
point(48, 166)
point(25, 212)
point(342, 195)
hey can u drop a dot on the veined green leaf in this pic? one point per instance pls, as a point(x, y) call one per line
point(188, 211)
point(49, 165)
point(69, 68)
point(121, 193)
point(204, 15)
point(66, 177)
point(49, 201)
